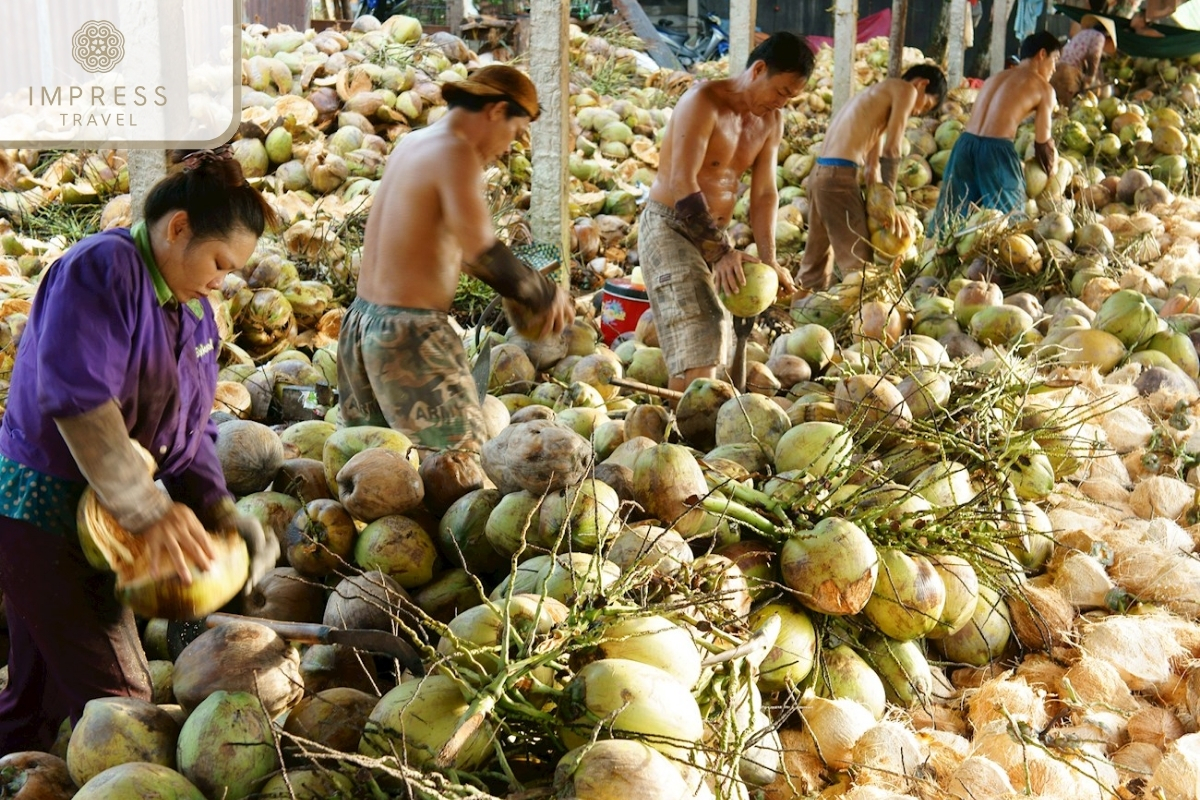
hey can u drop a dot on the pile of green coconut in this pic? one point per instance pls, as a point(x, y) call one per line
point(942, 545)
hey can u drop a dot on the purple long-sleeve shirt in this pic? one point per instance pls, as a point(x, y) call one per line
point(105, 326)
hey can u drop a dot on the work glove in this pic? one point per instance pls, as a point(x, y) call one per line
point(263, 548)
point(1047, 156)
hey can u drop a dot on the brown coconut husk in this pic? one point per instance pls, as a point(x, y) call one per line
point(1108, 492)
point(1044, 673)
point(1136, 761)
point(1095, 682)
point(1162, 496)
point(947, 752)
point(1007, 698)
point(1155, 726)
point(1157, 575)
point(1041, 617)
point(802, 773)
point(933, 718)
point(1080, 579)
point(979, 777)
point(1144, 649)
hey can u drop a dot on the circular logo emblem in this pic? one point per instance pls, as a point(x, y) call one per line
point(98, 46)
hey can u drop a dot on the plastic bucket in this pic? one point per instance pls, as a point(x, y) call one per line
point(621, 306)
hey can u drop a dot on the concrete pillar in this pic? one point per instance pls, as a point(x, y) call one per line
point(845, 33)
point(742, 15)
point(693, 12)
point(896, 38)
point(954, 43)
point(146, 168)
point(454, 16)
point(1000, 11)
point(550, 135)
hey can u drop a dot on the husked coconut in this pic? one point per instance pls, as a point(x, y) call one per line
point(1142, 648)
point(1154, 726)
point(1158, 575)
point(1096, 682)
point(1162, 496)
point(1005, 697)
point(1041, 617)
point(1177, 776)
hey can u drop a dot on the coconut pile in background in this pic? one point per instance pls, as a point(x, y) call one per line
point(942, 547)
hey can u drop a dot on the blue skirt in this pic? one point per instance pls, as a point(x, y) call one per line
point(982, 171)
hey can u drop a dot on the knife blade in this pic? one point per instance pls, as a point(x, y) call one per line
point(371, 641)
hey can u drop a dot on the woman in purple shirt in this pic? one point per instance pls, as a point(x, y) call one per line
point(120, 346)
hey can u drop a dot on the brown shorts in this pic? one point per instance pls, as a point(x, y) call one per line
point(837, 222)
point(405, 368)
point(694, 327)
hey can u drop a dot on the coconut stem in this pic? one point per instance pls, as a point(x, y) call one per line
point(744, 494)
point(740, 513)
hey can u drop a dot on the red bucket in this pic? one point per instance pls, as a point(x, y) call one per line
point(621, 306)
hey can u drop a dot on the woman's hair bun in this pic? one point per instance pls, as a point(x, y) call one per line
point(216, 163)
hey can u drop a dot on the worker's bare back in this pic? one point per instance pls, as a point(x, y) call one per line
point(1006, 99)
point(855, 130)
point(708, 146)
point(411, 257)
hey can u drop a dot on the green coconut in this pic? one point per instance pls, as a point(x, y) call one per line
point(462, 537)
point(139, 781)
point(832, 568)
point(119, 730)
point(751, 418)
point(398, 547)
point(696, 415)
point(417, 719)
point(226, 746)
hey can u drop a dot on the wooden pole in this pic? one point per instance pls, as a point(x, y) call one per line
point(896, 39)
point(631, 11)
point(693, 12)
point(549, 68)
point(1000, 12)
point(845, 34)
point(742, 15)
point(954, 43)
point(146, 168)
point(454, 16)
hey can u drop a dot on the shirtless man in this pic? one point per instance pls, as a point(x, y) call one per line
point(868, 130)
point(400, 363)
point(984, 168)
point(719, 130)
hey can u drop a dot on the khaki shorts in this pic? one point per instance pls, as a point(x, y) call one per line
point(405, 368)
point(694, 327)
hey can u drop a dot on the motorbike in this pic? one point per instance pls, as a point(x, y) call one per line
point(710, 43)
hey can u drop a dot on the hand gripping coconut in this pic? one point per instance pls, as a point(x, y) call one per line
point(108, 546)
point(755, 296)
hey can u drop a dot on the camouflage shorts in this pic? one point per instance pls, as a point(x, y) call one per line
point(405, 368)
point(694, 328)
